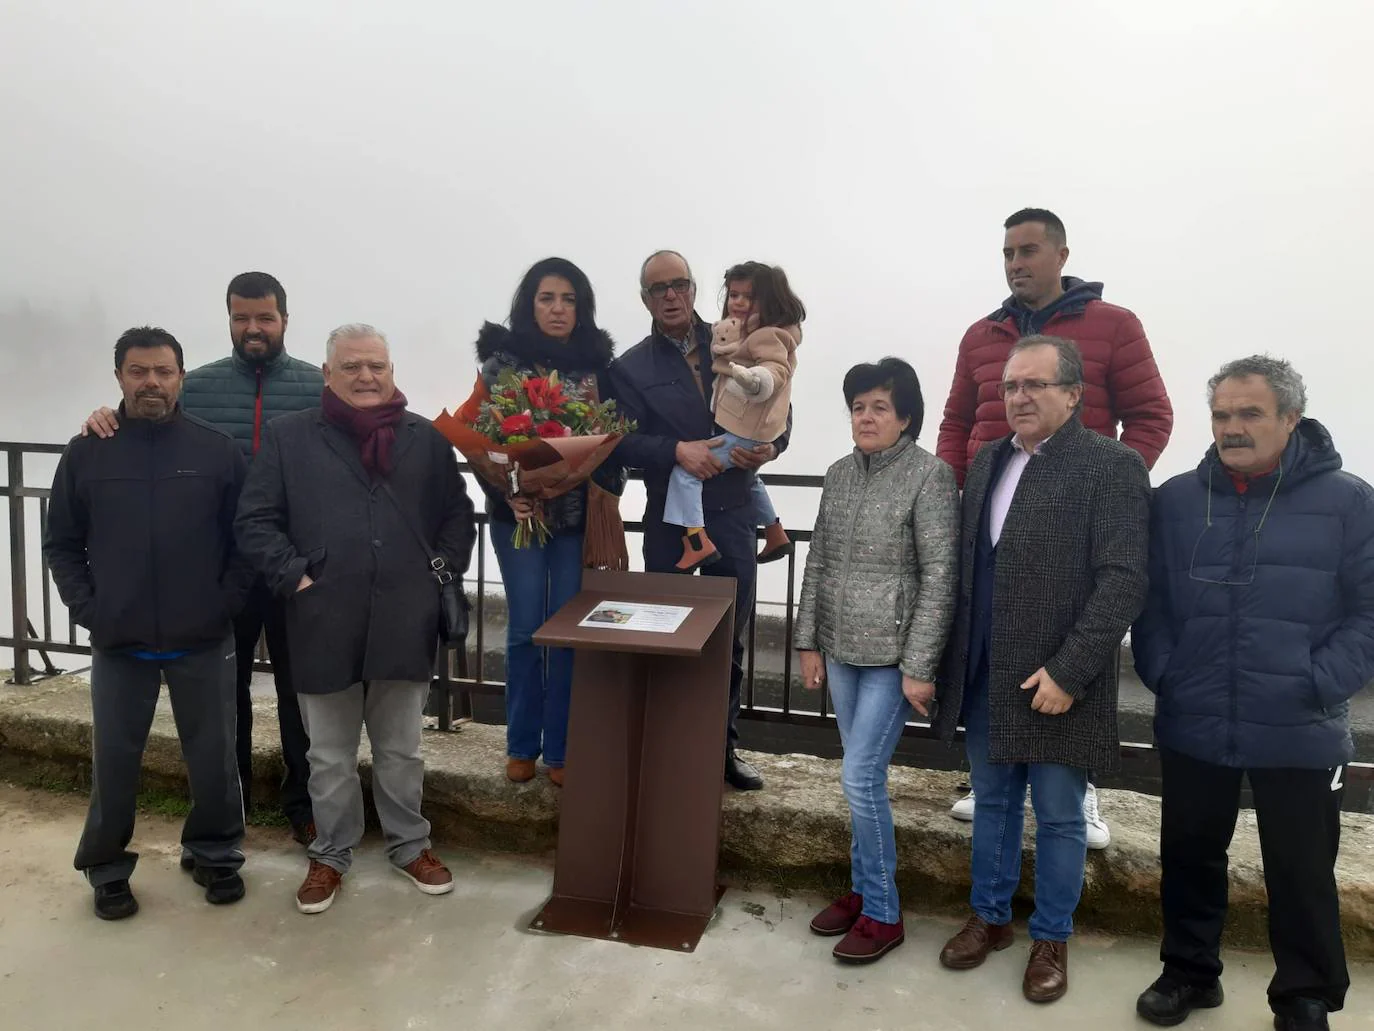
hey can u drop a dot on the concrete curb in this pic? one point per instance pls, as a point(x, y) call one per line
point(793, 834)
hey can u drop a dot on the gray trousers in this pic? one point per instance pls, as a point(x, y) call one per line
point(392, 711)
point(124, 694)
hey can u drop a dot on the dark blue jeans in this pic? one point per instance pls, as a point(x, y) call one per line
point(539, 581)
point(998, 822)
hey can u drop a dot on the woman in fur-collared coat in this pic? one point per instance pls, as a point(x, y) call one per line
point(552, 326)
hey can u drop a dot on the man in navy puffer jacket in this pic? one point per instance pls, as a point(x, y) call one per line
point(1258, 630)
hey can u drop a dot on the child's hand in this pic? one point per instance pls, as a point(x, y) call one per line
point(754, 383)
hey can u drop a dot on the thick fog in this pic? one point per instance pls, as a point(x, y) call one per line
point(402, 163)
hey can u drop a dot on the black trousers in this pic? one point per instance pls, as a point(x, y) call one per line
point(124, 694)
point(735, 536)
point(264, 612)
point(1299, 815)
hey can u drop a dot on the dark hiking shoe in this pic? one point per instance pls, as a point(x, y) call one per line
point(221, 886)
point(114, 901)
point(1169, 1001)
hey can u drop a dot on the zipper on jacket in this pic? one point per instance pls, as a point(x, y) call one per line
point(1232, 574)
point(257, 415)
point(152, 537)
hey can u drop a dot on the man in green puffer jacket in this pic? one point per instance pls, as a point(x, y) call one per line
point(239, 394)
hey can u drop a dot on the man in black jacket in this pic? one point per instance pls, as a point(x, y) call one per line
point(664, 383)
point(239, 394)
point(140, 541)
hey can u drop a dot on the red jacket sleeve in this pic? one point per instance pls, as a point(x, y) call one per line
point(961, 408)
point(1139, 399)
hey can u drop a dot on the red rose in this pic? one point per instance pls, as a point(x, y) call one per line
point(552, 429)
point(520, 423)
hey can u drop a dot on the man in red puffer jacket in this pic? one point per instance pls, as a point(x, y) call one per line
point(1120, 379)
point(1121, 383)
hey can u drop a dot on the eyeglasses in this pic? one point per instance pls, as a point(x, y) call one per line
point(1248, 544)
point(660, 290)
point(1029, 387)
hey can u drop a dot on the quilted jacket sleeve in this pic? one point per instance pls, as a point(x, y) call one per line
point(1138, 395)
point(936, 523)
point(961, 408)
point(804, 638)
point(1152, 636)
point(1344, 662)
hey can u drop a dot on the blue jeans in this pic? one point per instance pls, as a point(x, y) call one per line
point(998, 820)
point(539, 581)
point(683, 505)
point(871, 711)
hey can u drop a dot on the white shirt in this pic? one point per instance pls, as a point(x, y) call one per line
point(1005, 489)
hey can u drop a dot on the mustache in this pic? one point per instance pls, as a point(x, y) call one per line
point(1235, 440)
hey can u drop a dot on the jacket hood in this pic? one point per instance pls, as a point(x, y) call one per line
point(1310, 452)
point(1077, 293)
point(584, 350)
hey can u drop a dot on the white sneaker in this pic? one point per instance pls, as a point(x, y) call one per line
point(1099, 836)
point(963, 809)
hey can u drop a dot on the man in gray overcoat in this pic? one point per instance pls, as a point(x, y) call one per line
point(1054, 527)
point(345, 508)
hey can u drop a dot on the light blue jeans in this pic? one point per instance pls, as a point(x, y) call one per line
point(998, 822)
point(683, 504)
point(871, 711)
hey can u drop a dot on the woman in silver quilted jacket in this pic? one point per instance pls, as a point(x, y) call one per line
point(876, 606)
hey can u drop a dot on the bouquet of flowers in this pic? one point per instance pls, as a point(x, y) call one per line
point(538, 436)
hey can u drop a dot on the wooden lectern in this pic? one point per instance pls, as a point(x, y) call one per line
point(639, 826)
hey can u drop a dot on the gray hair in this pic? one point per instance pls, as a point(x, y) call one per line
point(1070, 359)
point(353, 331)
point(1282, 378)
point(643, 286)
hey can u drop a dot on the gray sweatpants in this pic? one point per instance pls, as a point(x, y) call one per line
point(124, 694)
point(392, 711)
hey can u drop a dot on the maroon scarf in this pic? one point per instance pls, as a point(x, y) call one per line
point(373, 428)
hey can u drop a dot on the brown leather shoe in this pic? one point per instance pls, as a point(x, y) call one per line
point(428, 873)
point(520, 770)
point(1047, 972)
point(317, 891)
point(971, 945)
point(556, 776)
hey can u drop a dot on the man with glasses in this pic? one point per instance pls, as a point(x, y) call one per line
point(1053, 571)
point(664, 383)
point(1258, 630)
point(1122, 385)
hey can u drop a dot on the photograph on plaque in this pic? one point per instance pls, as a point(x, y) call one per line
point(636, 615)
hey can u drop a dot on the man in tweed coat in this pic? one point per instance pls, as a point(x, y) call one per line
point(1053, 544)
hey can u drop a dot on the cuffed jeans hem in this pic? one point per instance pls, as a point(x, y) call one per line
point(108, 873)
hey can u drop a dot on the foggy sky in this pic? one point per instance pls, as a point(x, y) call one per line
point(403, 163)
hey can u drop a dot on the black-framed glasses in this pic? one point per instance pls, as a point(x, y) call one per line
point(1029, 387)
point(660, 290)
point(1249, 543)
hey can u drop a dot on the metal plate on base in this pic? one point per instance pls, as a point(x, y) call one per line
point(653, 928)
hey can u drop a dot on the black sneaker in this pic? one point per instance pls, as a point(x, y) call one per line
point(188, 861)
point(1169, 1000)
point(1302, 1015)
point(221, 886)
point(114, 901)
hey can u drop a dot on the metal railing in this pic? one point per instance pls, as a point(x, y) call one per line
point(765, 699)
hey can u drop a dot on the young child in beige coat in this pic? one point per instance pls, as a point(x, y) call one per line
point(754, 356)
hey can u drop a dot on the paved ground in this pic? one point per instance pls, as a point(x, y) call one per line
point(386, 957)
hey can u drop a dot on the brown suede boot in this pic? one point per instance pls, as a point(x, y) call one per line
point(697, 551)
point(520, 770)
point(776, 543)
